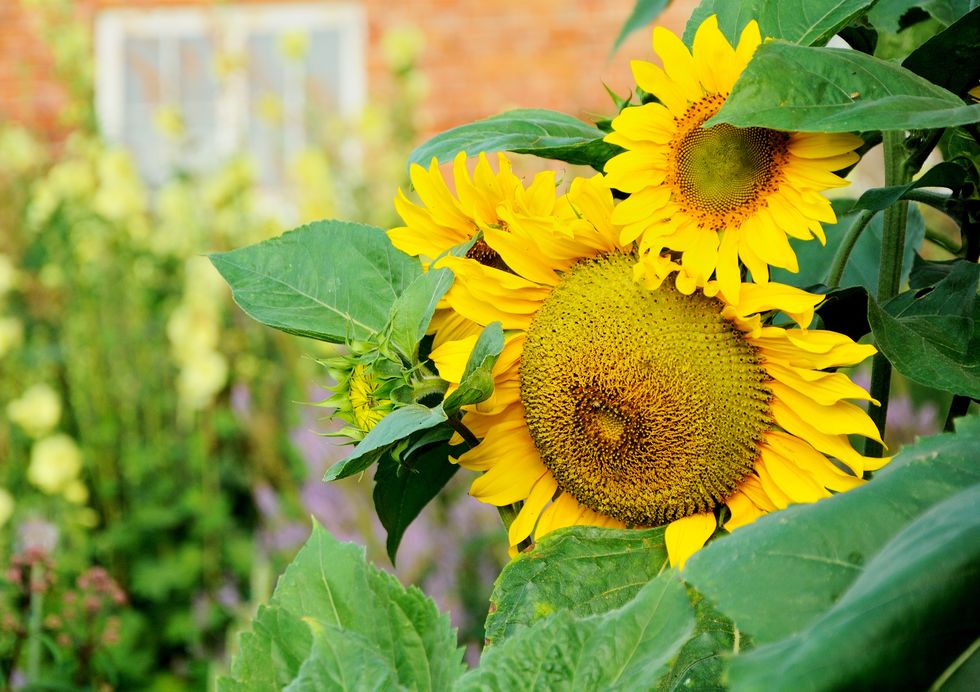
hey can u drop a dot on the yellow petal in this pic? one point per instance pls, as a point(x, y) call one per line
point(768, 241)
point(655, 81)
point(806, 458)
point(839, 418)
point(700, 257)
point(795, 302)
point(678, 63)
point(686, 536)
point(436, 197)
point(797, 485)
point(772, 490)
point(522, 256)
point(632, 171)
point(537, 499)
point(743, 511)
point(751, 486)
point(728, 272)
point(506, 482)
point(747, 43)
point(451, 358)
point(564, 511)
point(823, 387)
point(837, 446)
point(651, 122)
point(714, 57)
point(505, 440)
point(818, 145)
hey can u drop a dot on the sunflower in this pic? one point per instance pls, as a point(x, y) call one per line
point(622, 403)
point(485, 205)
point(721, 193)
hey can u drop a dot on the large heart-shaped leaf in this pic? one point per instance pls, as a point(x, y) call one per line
point(331, 280)
point(807, 22)
point(836, 90)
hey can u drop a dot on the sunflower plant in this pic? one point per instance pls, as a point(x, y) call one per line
point(653, 370)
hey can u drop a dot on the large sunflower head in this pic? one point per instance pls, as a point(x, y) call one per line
point(620, 403)
point(722, 193)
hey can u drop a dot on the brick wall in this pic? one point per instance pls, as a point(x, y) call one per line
point(480, 57)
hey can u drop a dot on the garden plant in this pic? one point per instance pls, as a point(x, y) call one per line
point(649, 370)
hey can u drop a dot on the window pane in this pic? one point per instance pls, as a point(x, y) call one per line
point(266, 93)
point(323, 71)
point(141, 58)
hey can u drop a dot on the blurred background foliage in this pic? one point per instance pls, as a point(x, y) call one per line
point(158, 465)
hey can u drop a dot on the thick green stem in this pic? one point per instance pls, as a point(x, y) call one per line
point(846, 246)
point(889, 275)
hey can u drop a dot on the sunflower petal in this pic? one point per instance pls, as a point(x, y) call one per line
point(686, 536)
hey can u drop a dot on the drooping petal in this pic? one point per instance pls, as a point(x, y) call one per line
point(686, 536)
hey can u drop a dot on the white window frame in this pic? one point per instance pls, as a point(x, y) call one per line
point(230, 26)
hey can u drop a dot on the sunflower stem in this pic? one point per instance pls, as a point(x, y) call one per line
point(847, 246)
point(897, 172)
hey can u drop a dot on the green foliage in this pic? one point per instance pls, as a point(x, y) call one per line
point(780, 574)
point(565, 573)
point(806, 22)
point(403, 489)
point(331, 280)
point(888, 15)
point(956, 45)
point(362, 628)
point(947, 174)
point(644, 12)
point(844, 91)
point(476, 384)
point(394, 427)
point(931, 335)
point(412, 311)
point(628, 648)
point(906, 617)
point(542, 133)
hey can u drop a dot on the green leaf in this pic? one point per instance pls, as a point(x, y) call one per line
point(477, 381)
point(863, 264)
point(945, 174)
point(402, 491)
point(780, 574)
point(343, 660)
point(270, 655)
point(644, 12)
point(625, 649)
point(909, 614)
point(331, 280)
point(702, 663)
point(927, 273)
point(361, 625)
point(413, 309)
point(394, 427)
point(543, 133)
point(836, 90)
point(942, 313)
point(933, 339)
point(957, 45)
point(886, 15)
point(582, 569)
point(807, 22)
